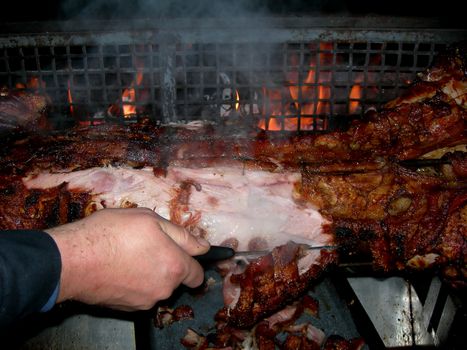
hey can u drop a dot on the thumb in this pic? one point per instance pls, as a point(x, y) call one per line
point(191, 244)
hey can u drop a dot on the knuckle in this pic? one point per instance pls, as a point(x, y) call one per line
point(177, 270)
point(148, 221)
point(198, 275)
point(164, 293)
point(148, 213)
point(184, 235)
point(148, 305)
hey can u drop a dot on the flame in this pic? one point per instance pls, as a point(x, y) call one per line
point(354, 97)
point(129, 95)
point(272, 104)
point(237, 100)
point(126, 104)
point(70, 99)
point(314, 91)
point(34, 83)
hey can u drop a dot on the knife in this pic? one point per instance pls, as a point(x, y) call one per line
point(218, 253)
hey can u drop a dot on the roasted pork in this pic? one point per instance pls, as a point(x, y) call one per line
point(252, 190)
point(270, 282)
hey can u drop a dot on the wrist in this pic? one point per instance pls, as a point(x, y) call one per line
point(77, 263)
point(52, 300)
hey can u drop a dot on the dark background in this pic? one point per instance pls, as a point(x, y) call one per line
point(19, 11)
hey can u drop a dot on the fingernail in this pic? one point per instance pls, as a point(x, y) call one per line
point(203, 241)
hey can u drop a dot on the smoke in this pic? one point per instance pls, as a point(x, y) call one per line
point(141, 9)
point(153, 9)
point(116, 9)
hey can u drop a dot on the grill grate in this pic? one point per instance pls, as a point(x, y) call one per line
point(301, 79)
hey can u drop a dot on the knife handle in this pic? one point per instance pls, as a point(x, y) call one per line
point(215, 253)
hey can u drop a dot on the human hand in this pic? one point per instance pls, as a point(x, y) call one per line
point(126, 259)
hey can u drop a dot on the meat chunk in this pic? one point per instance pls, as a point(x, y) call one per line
point(21, 109)
point(272, 281)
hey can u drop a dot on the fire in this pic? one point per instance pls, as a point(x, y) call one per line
point(273, 106)
point(237, 100)
point(34, 83)
point(354, 97)
point(129, 96)
point(127, 103)
point(310, 98)
point(70, 99)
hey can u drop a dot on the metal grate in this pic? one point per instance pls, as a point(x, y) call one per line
point(299, 77)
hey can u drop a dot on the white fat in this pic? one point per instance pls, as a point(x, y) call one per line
point(233, 202)
point(233, 291)
point(305, 262)
point(247, 204)
point(423, 261)
point(193, 125)
point(315, 334)
point(281, 316)
point(249, 342)
point(457, 91)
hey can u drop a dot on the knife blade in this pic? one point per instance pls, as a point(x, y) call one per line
point(254, 254)
point(218, 253)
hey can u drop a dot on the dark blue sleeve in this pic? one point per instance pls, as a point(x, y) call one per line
point(30, 267)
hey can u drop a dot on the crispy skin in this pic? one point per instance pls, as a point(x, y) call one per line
point(459, 165)
point(390, 133)
point(83, 148)
point(431, 234)
point(372, 195)
point(271, 282)
point(21, 208)
point(399, 218)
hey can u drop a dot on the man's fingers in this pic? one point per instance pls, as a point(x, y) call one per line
point(195, 274)
point(189, 243)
